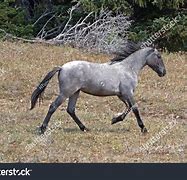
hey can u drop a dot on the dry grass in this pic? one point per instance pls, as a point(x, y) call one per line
point(160, 99)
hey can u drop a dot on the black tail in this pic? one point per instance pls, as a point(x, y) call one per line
point(41, 87)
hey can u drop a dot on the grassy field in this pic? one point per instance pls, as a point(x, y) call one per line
point(160, 100)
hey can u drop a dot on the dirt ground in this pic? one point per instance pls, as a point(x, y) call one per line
point(162, 103)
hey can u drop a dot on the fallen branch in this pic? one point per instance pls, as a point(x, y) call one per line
point(103, 34)
point(42, 16)
point(9, 36)
point(42, 31)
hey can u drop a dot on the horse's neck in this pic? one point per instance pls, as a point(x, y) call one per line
point(136, 61)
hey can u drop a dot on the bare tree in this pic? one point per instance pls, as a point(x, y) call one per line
point(105, 34)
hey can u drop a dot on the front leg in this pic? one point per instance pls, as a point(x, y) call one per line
point(127, 91)
point(122, 116)
point(131, 102)
point(131, 105)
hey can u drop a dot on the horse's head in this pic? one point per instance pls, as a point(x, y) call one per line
point(155, 62)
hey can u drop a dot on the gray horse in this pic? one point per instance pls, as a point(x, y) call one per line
point(118, 77)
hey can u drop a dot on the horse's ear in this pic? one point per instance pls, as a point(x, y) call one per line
point(155, 50)
point(152, 50)
point(155, 46)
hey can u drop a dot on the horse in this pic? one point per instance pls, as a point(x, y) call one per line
point(117, 77)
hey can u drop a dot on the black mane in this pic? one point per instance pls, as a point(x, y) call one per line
point(125, 50)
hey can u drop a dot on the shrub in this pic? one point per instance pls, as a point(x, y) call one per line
point(12, 20)
point(174, 39)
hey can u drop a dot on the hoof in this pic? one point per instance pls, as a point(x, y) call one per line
point(115, 120)
point(144, 130)
point(41, 130)
point(84, 129)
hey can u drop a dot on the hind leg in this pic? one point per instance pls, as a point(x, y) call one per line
point(59, 100)
point(71, 110)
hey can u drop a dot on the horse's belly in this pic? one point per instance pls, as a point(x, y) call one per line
point(95, 93)
point(101, 91)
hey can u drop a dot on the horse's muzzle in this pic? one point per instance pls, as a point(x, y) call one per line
point(163, 73)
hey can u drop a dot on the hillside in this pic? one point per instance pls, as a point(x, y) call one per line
point(160, 100)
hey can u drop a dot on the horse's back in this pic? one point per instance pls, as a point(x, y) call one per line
point(92, 78)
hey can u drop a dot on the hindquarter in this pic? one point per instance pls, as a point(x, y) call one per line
point(71, 78)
